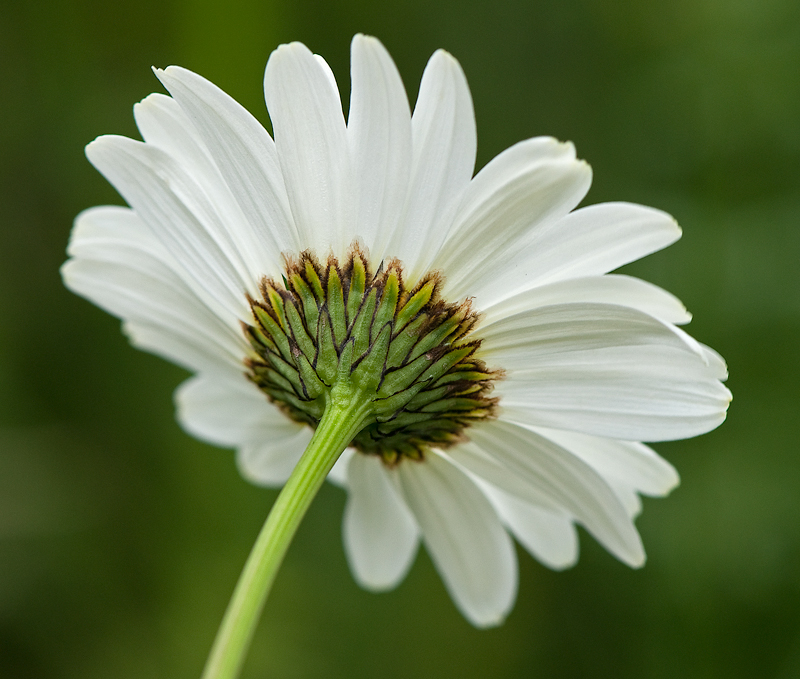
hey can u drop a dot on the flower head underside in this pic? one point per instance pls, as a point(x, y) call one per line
point(510, 377)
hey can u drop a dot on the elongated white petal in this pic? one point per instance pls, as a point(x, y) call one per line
point(627, 496)
point(587, 242)
point(230, 411)
point(633, 394)
point(629, 462)
point(271, 461)
point(529, 185)
point(609, 289)
point(550, 537)
point(164, 124)
point(233, 412)
point(311, 139)
point(444, 146)
point(338, 473)
point(140, 298)
point(181, 348)
point(180, 215)
point(380, 534)
point(379, 137)
point(715, 362)
point(121, 267)
point(605, 370)
point(550, 470)
point(464, 537)
point(245, 157)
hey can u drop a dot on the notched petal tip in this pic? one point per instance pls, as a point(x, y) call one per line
point(101, 144)
point(362, 39)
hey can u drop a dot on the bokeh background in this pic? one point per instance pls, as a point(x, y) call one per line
point(121, 537)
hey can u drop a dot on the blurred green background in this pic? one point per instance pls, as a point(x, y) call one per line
point(121, 537)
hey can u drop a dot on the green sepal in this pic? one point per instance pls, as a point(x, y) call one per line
point(360, 330)
point(258, 340)
point(327, 357)
point(306, 344)
point(435, 337)
point(276, 301)
point(273, 329)
point(427, 396)
point(267, 374)
point(386, 408)
point(404, 341)
point(401, 378)
point(388, 304)
point(414, 304)
point(287, 370)
point(345, 362)
point(309, 301)
point(369, 371)
point(314, 280)
point(450, 404)
point(336, 309)
point(446, 362)
point(358, 282)
point(314, 388)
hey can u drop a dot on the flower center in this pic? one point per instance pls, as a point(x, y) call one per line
point(406, 350)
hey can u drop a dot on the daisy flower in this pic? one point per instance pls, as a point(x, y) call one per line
point(351, 290)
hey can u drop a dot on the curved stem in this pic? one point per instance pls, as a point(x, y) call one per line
point(345, 415)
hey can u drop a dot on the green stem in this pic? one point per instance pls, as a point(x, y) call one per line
point(345, 415)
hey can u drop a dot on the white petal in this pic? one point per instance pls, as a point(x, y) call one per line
point(380, 534)
point(609, 289)
point(464, 536)
point(628, 462)
point(311, 139)
point(164, 124)
point(550, 537)
point(444, 146)
point(230, 411)
point(244, 154)
point(510, 200)
point(379, 136)
point(338, 473)
point(180, 215)
point(627, 496)
point(182, 348)
point(715, 363)
point(271, 462)
point(587, 242)
point(119, 265)
point(605, 370)
point(233, 412)
point(550, 470)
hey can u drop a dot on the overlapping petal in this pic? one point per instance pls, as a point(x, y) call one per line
point(534, 468)
point(610, 289)
point(258, 236)
point(444, 147)
point(380, 533)
point(243, 152)
point(506, 205)
point(227, 411)
point(180, 214)
point(549, 536)
point(464, 537)
point(606, 370)
point(311, 139)
point(379, 138)
point(119, 265)
point(590, 241)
